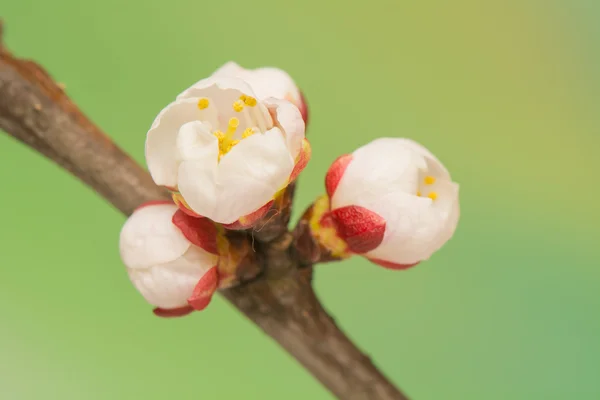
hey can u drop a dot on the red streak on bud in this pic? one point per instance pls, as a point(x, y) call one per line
point(248, 220)
point(204, 290)
point(153, 203)
point(303, 108)
point(302, 161)
point(172, 312)
point(391, 265)
point(199, 231)
point(359, 227)
point(335, 173)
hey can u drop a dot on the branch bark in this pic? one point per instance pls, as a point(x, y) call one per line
point(36, 111)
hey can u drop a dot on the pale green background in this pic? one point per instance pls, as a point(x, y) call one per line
point(506, 93)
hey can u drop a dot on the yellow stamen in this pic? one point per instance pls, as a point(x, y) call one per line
point(247, 133)
point(226, 141)
point(432, 195)
point(243, 97)
point(418, 193)
point(234, 123)
point(203, 103)
point(250, 101)
point(429, 180)
point(219, 135)
point(238, 105)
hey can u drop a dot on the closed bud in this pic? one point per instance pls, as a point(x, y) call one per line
point(392, 202)
point(174, 269)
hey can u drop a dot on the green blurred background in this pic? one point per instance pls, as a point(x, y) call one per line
point(506, 93)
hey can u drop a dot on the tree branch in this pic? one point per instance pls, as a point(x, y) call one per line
point(36, 111)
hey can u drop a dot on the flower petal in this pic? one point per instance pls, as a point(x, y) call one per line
point(301, 160)
point(169, 285)
point(217, 88)
point(198, 182)
point(195, 141)
point(415, 229)
point(377, 169)
point(335, 173)
point(274, 82)
point(153, 203)
point(250, 175)
point(204, 290)
point(266, 81)
point(288, 118)
point(433, 164)
point(162, 155)
point(391, 265)
point(173, 312)
point(230, 69)
point(247, 221)
point(199, 231)
point(149, 237)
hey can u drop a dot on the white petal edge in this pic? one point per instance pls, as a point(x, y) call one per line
point(169, 285)
point(415, 227)
point(162, 156)
point(210, 87)
point(266, 81)
point(419, 148)
point(229, 70)
point(289, 119)
point(148, 237)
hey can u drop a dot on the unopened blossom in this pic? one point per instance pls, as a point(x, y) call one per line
point(172, 265)
point(225, 153)
point(393, 202)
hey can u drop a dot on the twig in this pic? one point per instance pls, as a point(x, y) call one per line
point(36, 111)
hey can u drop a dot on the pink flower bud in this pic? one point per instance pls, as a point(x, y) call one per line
point(393, 202)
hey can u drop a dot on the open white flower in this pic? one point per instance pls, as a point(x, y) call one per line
point(164, 266)
point(224, 153)
point(393, 202)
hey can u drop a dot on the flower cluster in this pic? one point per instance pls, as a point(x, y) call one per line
point(227, 148)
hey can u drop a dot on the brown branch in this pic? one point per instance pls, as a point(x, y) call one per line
point(35, 110)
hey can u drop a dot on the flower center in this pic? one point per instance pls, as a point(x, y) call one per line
point(427, 186)
point(248, 120)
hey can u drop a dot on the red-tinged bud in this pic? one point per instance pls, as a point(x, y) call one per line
point(200, 231)
point(303, 107)
point(204, 290)
point(361, 229)
point(391, 265)
point(393, 202)
point(302, 160)
point(172, 312)
point(165, 260)
point(335, 173)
